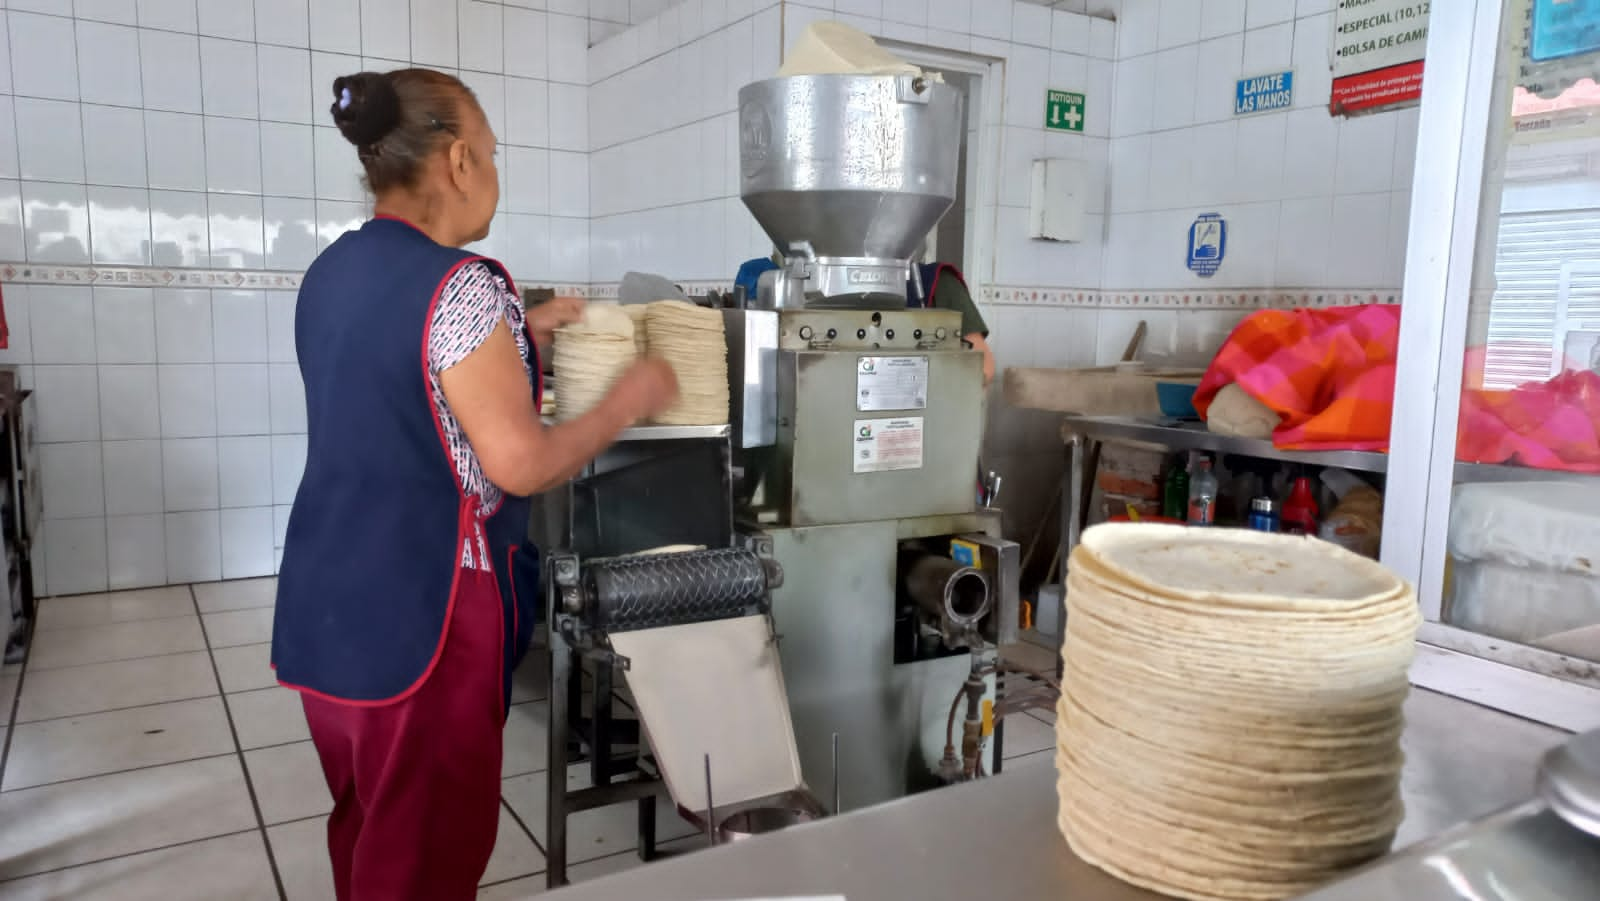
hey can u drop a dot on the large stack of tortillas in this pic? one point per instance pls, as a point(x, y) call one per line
point(1230, 718)
point(691, 340)
point(641, 329)
point(589, 357)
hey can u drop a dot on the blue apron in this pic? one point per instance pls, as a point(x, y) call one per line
point(374, 540)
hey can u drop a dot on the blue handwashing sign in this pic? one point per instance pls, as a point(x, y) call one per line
point(1263, 93)
point(1208, 243)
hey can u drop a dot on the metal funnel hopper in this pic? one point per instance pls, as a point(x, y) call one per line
point(850, 172)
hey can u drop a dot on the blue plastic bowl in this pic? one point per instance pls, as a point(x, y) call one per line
point(1176, 400)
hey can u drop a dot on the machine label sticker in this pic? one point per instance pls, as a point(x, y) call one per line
point(886, 445)
point(891, 383)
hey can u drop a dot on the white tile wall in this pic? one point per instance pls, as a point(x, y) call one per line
point(194, 133)
point(1299, 188)
point(642, 216)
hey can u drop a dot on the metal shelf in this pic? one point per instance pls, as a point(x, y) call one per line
point(1186, 435)
point(668, 432)
point(673, 432)
point(1183, 435)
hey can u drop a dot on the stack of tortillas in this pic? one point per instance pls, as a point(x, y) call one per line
point(690, 339)
point(641, 329)
point(1230, 717)
point(589, 357)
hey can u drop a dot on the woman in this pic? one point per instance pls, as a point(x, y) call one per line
point(397, 617)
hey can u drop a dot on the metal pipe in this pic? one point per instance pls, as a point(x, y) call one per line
point(836, 808)
point(944, 588)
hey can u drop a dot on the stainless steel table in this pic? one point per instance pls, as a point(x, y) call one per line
point(997, 838)
point(1188, 435)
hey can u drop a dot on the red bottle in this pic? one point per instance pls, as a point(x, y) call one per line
point(1299, 516)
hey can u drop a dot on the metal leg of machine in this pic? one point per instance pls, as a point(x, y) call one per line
point(555, 809)
point(592, 736)
point(1074, 500)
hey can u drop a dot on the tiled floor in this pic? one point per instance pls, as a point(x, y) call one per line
point(150, 754)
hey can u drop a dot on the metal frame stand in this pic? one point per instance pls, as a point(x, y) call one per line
point(606, 513)
point(574, 738)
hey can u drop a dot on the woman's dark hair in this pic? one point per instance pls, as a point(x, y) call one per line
point(396, 119)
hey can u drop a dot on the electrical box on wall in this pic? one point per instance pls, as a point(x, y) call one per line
point(1056, 205)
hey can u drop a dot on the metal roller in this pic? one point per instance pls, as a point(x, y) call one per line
point(955, 596)
point(646, 592)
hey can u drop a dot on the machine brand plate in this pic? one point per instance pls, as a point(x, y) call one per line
point(886, 445)
point(891, 383)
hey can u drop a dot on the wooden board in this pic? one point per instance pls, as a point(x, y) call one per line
point(1104, 391)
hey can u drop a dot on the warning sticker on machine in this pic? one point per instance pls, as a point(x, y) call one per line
point(891, 383)
point(885, 445)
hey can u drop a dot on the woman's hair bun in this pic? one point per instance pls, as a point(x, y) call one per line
point(365, 107)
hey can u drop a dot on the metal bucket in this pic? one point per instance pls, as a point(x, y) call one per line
point(760, 820)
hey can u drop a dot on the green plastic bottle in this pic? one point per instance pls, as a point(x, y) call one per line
point(1175, 494)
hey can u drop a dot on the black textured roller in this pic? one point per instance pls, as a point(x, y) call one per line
point(646, 592)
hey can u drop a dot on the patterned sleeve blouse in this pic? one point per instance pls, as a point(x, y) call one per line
point(473, 302)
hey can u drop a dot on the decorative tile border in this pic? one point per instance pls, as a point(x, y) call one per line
point(174, 277)
point(1007, 295)
point(1002, 295)
point(146, 276)
point(610, 290)
point(1089, 298)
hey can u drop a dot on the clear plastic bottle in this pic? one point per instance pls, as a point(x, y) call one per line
point(1202, 494)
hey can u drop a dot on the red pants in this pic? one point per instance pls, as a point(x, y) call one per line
point(416, 783)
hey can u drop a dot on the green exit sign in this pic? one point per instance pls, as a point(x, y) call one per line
point(1063, 110)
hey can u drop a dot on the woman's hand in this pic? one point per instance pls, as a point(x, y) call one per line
point(647, 388)
point(979, 342)
point(544, 319)
point(489, 394)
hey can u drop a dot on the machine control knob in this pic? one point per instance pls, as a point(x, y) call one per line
point(805, 333)
point(889, 334)
point(938, 333)
point(861, 334)
point(917, 334)
point(833, 333)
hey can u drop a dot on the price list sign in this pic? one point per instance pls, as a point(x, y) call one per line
point(1377, 55)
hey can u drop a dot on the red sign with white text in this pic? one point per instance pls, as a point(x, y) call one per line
point(1378, 88)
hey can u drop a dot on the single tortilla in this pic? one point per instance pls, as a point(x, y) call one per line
point(834, 48)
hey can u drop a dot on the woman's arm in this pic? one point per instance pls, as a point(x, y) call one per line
point(980, 341)
point(489, 395)
point(952, 294)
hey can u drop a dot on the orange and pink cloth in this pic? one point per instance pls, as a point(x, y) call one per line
point(1330, 374)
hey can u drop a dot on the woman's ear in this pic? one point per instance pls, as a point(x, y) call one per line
point(460, 160)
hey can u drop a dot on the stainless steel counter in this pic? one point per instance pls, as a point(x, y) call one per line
point(997, 839)
point(1183, 435)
